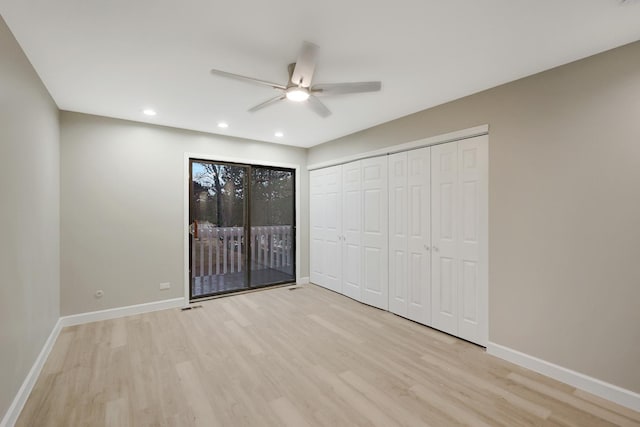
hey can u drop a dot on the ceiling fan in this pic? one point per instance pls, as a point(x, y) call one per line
point(299, 88)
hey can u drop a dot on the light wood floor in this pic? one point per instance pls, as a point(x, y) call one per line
point(303, 357)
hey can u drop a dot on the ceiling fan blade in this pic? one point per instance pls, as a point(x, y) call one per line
point(305, 65)
point(290, 69)
point(267, 103)
point(247, 79)
point(317, 106)
point(345, 88)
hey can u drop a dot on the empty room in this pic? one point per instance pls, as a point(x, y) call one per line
point(320, 214)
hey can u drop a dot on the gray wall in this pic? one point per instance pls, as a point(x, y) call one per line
point(29, 216)
point(122, 207)
point(564, 208)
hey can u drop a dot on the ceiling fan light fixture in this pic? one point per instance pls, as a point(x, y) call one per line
point(297, 94)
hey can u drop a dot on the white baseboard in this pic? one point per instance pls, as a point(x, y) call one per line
point(575, 379)
point(302, 281)
point(12, 414)
point(113, 313)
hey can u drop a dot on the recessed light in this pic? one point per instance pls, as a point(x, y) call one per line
point(149, 112)
point(279, 134)
point(223, 125)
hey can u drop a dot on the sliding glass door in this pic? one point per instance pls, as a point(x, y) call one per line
point(242, 226)
point(218, 212)
point(272, 226)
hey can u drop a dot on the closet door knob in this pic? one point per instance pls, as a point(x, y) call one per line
point(435, 248)
point(426, 247)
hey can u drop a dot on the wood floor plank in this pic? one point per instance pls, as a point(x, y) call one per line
point(303, 357)
point(288, 413)
point(195, 394)
point(118, 333)
point(356, 315)
point(481, 384)
point(236, 314)
point(243, 337)
point(335, 329)
point(357, 401)
point(383, 400)
point(608, 405)
point(117, 413)
point(457, 412)
point(569, 399)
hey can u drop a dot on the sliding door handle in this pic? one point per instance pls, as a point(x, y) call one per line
point(193, 229)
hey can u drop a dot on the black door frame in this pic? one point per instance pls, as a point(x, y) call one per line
point(247, 225)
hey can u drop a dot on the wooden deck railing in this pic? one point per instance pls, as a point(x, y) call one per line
point(220, 250)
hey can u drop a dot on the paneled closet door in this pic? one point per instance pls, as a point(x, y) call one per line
point(317, 227)
point(352, 230)
point(472, 249)
point(398, 215)
point(444, 211)
point(375, 245)
point(332, 251)
point(419, 235)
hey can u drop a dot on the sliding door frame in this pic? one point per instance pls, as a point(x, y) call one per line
point(250, 224)
point(245, 221)
point(188, 157)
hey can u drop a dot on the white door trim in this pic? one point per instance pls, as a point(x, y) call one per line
point(420, 143)
point(185, 218)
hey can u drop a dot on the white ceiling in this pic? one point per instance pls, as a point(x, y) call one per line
point(117, 57)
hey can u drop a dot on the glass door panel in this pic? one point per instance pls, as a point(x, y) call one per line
point(272, 246)
point(218, 212)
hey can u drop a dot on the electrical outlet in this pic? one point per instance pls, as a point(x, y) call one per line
point(164, 286)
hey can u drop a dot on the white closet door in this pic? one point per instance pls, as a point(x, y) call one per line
point(317, 227)
point(444, 211)
point(419, 235)
point(332, 250)
point(375, 258)
point(352, 230)
point(398, 215)
point(472, 249)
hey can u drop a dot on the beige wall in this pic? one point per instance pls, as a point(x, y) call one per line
point(29, 217)
point(122, 207)
point(564, 207)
